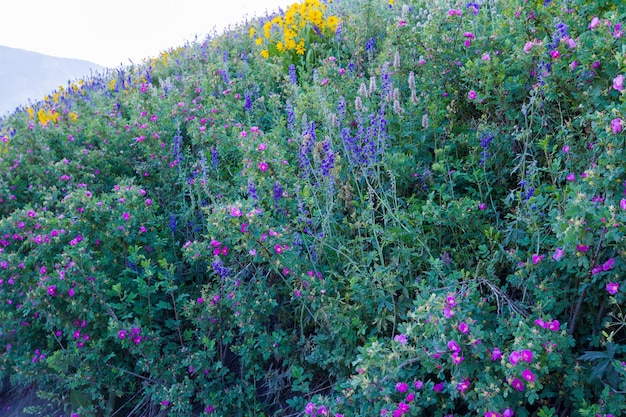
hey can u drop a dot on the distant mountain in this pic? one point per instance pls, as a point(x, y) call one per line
point(28, 75)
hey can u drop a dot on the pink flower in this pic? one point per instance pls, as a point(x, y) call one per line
point(469, 35)
point(261, 147)
point(527, 355)
point(278, 249)
point(52, 290)
point(571, 177)
point(528, 375)
point(508, 413)
point(612, 288)
point(594, 22)
point(537, 258)
point(410, 397)
point(492, 414)
point(528, 46)
point(235, 211)
point(554, 325)
point(515, 357)
point(558, 254)
point(463, 327)
point(438, 387)
point(496, 354)
point(454, 346)
point(454, 12)
point(464, 385)
point(622, 203)
point(471, 95)
point(263, 166)
point(517, 384)
point(400, 338)
point(402, 387)
point(616, 125)
point(608, 265)
point(555, 54)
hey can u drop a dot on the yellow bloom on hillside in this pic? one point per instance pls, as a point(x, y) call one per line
point(280, 46)
point(300, 48)
point(265, 54)
point(73, 116)
point(258, 41)
point(31, 113)
point(267, 28)
point(252, 32)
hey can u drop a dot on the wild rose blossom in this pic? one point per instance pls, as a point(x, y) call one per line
point(616, 125)
point(618, 83)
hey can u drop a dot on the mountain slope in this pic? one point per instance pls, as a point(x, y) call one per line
point(26, 75)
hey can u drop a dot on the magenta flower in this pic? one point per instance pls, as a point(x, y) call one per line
point(400, 338)
point(527, 355)
point(528, 46)
point(471, 95)
point(558, 254)
point(438, 387)
point(618, 83)
point(517, 384)
point(410, 397)
point(126, 215)
point(278, 249)
point(235, 211)
point(453, 346)
point(571, 177)
point(496, 354)
point(463, 327)
point(555, 54)
point(528, 375)
point(537, 258)
point(454, 12)
point(464, 385)
point(612, 288)
point(622, 203)
point(418, 384)
point(402, 387)
point(263, 166)
point(122, 334)
point(492, 414)
point(52, 290)
point(515, 357)
point(554, 325)
point(508, 413)
point(608, 265)
point(594, 22)
point(616, 125)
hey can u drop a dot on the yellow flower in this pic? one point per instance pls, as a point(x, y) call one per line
point(278, 21)
point(332, 23)
point(391, 2)
point(265, 54)
point(258, 41)
point(300, 48)
point(73, 116)
point(252, 31)
point(112, 84)
point(31, 113)
point(280, 46)
point(267, 28)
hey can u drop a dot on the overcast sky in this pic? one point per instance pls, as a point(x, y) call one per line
point(112, 32)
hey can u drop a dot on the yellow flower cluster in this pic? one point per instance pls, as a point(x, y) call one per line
point(301, 22)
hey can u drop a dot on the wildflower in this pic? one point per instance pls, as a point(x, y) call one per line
point(454, 12)
point(622, 203)
point(528, 375)
point(612, 288)
point(616, 125)
point(571, 177)
point(496, 354)
point(618, 83)
point(464, 385)
point(439, 387)
point(263, 166)
point(515, 357)
point(528, 46)
point(52, 290)
point(492, 414)
point(471, 95)
point(594, 22)
point(555, 54)
point(517, 384)
point(558, 254)
point(418, 384)
point(537, 258)
point(401, 339)
point(608, 265)
point(235, 211)
point(508, 413)
point(527, 355)
point(463, 327)
point(402, 387)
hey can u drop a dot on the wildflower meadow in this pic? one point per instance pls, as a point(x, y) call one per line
point(344, 208)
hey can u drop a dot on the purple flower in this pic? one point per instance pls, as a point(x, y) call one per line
point(608, 265)
point(517, 384)
point(612, 288)
point(515, 357)
point(52, 290)
point(400, 338)
point(618, 83)
point(616, 125)
point(528, 375)
point(439, 387)
point(508, 413)
point(453, 346)
point(122, 334)
point(496, 354)
point(235, 211)
point(558, 254)
point(402, 387)
point(463, 327)
point(537, 258)
point(527, 355)
point(594, 22)
point(418, 384)
point(571, 177)
point(471, 95)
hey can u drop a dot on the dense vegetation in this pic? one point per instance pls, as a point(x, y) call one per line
point(350, 208)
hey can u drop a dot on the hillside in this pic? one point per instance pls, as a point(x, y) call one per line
point(351, 208)
point(27, 75)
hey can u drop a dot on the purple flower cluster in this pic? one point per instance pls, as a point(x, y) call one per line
point(366, 147)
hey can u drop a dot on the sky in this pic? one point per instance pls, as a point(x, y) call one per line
point(111, 33)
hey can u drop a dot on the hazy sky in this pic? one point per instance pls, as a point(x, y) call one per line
point(110, 32)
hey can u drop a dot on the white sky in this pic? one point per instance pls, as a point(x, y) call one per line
point(110, 32)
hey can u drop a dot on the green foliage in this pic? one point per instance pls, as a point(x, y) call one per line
point(422, 214)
